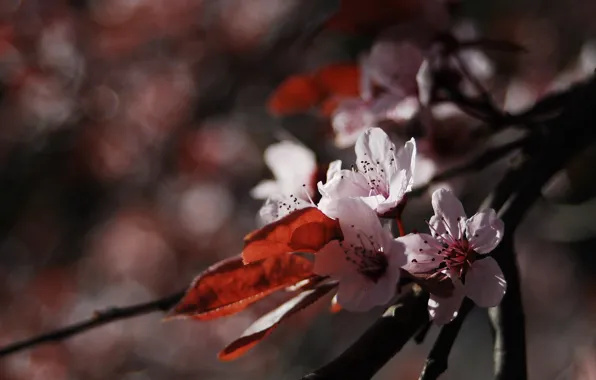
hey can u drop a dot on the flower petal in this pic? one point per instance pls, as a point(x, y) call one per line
point(448, 211)
point(265, 189)
point(334, 168)
point(359, 223)
point(359, 294)
point(406, 160)
point(421, 251)
point(375, 155)
point(485, 283)
point(444, 310)
point(485, 231)
point(397, 189)
point(292, 165)
point(349, 120)
point(331, 261)
point(277, 207)
point(343, 184)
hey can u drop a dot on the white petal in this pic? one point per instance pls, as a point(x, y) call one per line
point(359, 294)
point(376, 202)
point(422, 252)
point(448, 211)
point(403, 110)
point(265, 189)
point(376, 154)
point(292, 165)
point(406, 160)
point(396, 255)
point(397, 189)
point(331, 261)
point(277, 207)
point(345, 183)
point(359, 223)
point(334, 168)
point(349, 120)
point(444, 310)
point(354, 294)
point(384, 104)
point(424, 79)
point(269, 212)
point(485, 283)
point(485, 231)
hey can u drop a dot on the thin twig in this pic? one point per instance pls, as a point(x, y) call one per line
point(482, 161)
point(99, 319)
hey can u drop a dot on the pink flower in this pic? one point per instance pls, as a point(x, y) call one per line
point(366, 263)
point(293, 166)
point(383, 177)
point(353, 116)
point(457, 247)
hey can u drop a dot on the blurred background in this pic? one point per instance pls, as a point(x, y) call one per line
point(131, 134)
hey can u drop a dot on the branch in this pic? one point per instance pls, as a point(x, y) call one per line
point(381, 341)
point(514, 196)
point(482, 161)
point(568, 134)
point(100, 318)
point(436, 362)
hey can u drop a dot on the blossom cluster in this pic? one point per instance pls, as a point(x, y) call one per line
point(369, 261)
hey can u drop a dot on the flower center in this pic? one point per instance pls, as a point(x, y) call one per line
point(458, 256)
point(373, 266)
point(368, 257)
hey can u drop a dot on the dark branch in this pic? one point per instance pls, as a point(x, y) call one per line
point(482, 161)
point(436, 362)
point(100, 318)
point(380, 342)
point(566, 135)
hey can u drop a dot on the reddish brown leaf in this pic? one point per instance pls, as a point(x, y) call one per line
point(339, 79)
point(296, 94)
point(230, 286)
point(329, 106)
point(304, 230)
point(267, 323)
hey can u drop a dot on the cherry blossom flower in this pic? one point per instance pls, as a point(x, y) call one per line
point(457, 247)
point(294, 167)
point(383, 177)
point(366, 263)
point(353, 116)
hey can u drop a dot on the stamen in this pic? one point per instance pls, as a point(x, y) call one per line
point(308, 195)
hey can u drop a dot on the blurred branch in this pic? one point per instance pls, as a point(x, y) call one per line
point(482, 161)
point(100, 318)
point(381, 341)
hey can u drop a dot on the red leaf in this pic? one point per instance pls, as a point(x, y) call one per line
point(304, 230)
point(298, 93)
point(339, 79)
point(230, 286)
point(267, 323)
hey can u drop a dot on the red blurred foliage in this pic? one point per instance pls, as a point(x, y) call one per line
point(300, 93)
point(305, 230)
